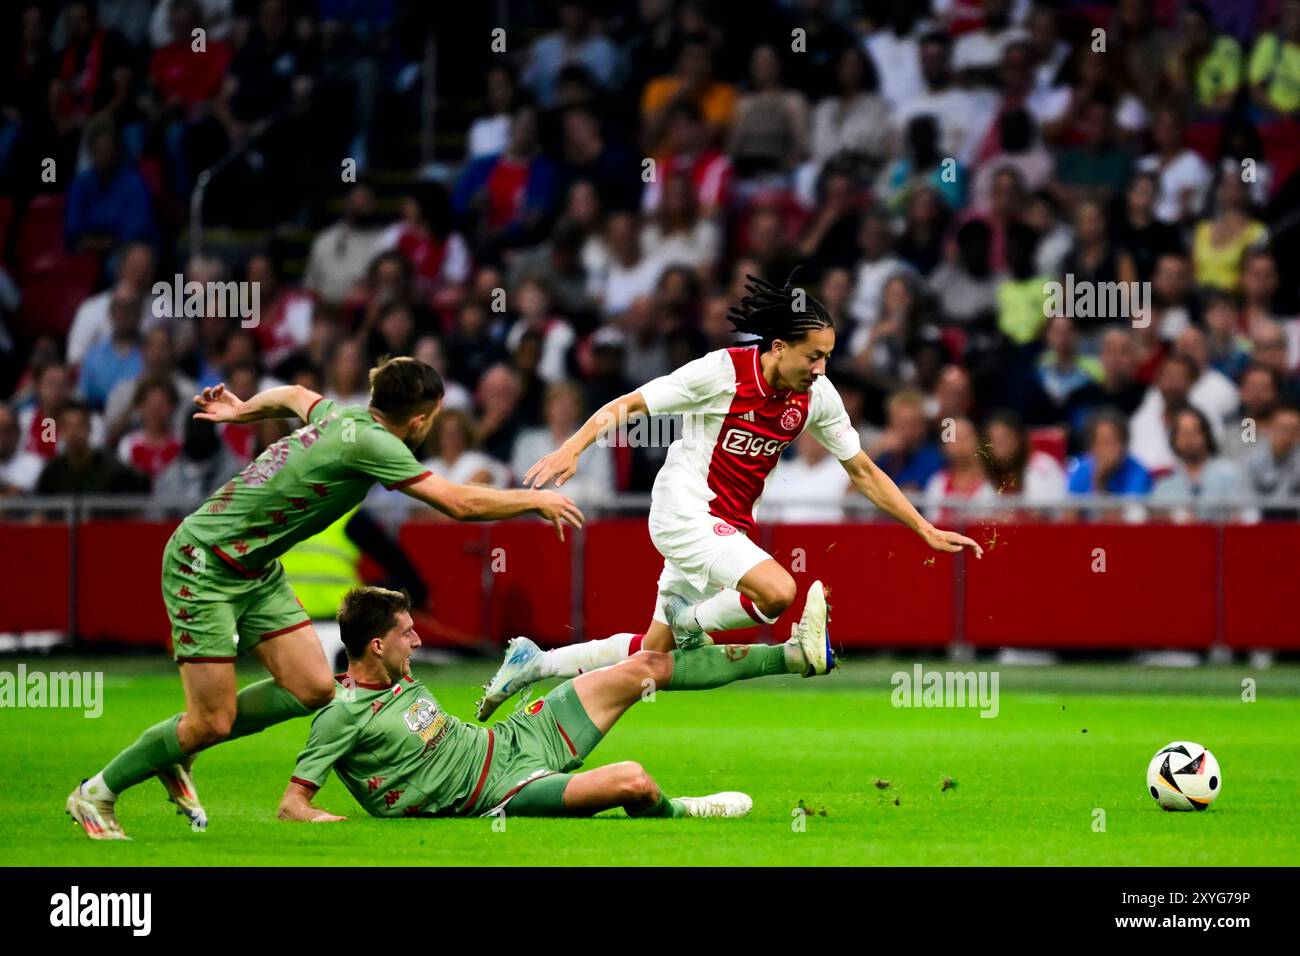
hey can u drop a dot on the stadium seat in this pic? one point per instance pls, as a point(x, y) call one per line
point(1051, 439)
point(1280, 139)
point(53, 290)
point(40, 233)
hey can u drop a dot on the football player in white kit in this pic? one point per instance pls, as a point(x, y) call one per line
point(741, 407)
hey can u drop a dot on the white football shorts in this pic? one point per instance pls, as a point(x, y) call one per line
point(702, 555)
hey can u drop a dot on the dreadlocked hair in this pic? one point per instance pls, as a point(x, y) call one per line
point(768, 313)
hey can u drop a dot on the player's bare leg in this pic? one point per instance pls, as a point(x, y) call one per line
point(760, 597)
point(214, 712)
point(627, 785)
point(209, 709)
point(525, 663)
point(607, 694)
point(658, 637)
point(210, 693)
point(766, 588)
point(298, 666)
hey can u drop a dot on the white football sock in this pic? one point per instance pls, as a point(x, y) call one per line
point(728, 611)
point(97, 789)
point(588, 656)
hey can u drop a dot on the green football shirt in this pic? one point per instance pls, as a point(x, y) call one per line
point(397, 752)
point(301, 485)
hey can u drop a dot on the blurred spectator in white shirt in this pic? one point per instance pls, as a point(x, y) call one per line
point(341, 253)
point(90, 325)
point(1274, 471)
point(429, 350)
point(856, 119)
point(1015, 468)
point(770, 133)
point(628, 273)
point(895, 51)
point(1150, 424)
point(1213, 391)
point(809, 488)
point(18, 469)
point(562, 414)
point(488, 133)
point(877, 265)
point(1201, 474)
point(347, 379)
point(963, 477)
point(1183, 176)
point(455, 457)
point(963, 116)
point(676, 233)
point(976, 54)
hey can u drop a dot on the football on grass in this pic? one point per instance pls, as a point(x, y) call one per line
point(1184, 776)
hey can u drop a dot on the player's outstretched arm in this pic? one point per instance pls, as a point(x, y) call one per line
point(881, 491)
point(296, 805)
point(478, 503)
point(285, 401)
point(561, 464)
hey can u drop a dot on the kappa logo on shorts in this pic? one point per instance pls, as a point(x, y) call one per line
point(791, 418)
point(535, 708)
point(722, 529)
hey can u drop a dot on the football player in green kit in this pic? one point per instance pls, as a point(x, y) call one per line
point(400, 754)
point(226, 592)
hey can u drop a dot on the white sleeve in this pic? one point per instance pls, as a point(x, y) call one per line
point(934, 489)
point(830, 424)
point(456, 264)
point(83, 333)
point(691, 385)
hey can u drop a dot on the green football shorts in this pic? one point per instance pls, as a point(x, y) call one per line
point(534, 751)
point(217, 612)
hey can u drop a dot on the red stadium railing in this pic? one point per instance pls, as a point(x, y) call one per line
point(1105, 586)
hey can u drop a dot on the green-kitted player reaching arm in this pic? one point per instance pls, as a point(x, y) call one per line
point(399, 754)
point(225, 589)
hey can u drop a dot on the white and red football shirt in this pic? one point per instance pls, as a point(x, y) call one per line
point(735, 428)
point(147, 455)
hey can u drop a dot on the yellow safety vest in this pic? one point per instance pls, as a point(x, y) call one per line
point(323, 568)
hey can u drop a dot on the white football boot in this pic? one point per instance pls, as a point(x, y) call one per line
point(686, 630)
point(521, 668)
point(96, 817)
point(810, 634)
point(729, 803)
point(179, 783)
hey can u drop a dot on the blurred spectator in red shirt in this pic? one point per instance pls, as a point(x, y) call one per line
point(184, 77)
point(156, 443)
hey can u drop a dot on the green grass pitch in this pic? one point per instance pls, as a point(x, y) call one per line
point(1068, 741)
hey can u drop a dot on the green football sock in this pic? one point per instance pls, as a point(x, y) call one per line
point(702, 668)
point(666, 807)
point(257, 707)
point(263, 705)
point(156, 747)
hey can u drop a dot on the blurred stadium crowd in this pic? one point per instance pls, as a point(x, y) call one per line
point(931, 168)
